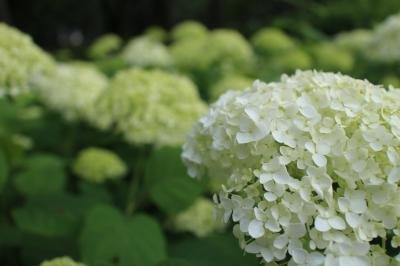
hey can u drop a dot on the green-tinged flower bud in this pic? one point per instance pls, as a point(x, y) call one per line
point(145, 52)
point(72, 90)
point(156, 33)
point(62, 261)
point(98, 165)
point(329, 57)
point(149, 106)
point(188, 30)
point(104, 46)
point(270, 41)
point(229, 82)
point(199, 219)
point(20, 61)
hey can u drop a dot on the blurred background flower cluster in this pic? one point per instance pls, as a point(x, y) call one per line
point(97, 97)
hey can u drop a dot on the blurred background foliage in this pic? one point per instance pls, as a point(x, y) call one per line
point(71, 23)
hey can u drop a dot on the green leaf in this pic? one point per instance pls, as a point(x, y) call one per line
point(174, 262)
point(213, 251)
point(170, 188)
point(52, 215)
point(43, 174)
point(109, 238)
point(3, 169)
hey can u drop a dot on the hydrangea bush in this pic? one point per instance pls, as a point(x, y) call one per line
point(144, 107)
point(20, 61)
point(312, 167)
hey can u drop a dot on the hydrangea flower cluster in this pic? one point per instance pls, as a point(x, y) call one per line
point(313, 168)
point(199, 219)
point(104, 46)
point(156, 33)
point(384, 42)
point(330, 57)
point(354, 41)
point(20, 60)
point(72, 89)
point(97, 165)
point(188, 30)
point(149, 106)
point(62, 261)
point(145, 52)
point(229, 82)
point(291, 60)
point(270, 41)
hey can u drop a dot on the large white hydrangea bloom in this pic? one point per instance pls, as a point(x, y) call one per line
point(313, 166)
point(384, 42)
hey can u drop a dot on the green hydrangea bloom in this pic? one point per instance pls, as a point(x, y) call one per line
point(62, 261)
point(149, 106)
point(144, 52)
point(292, 60)
point(188, 54)
point(104, 46)
point(199, 219)
point(329, 57)
point(97, 165)
point(355, 40)
point(156, 33)
point(391, 80)
point(383, 46)
point(20, 60)
point(230, 82)
point(188, 30)
point(72, 89)
point(269, 41)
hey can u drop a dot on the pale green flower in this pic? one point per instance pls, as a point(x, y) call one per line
point(72, 89)
point(354, 41)
point(149, 106)
point(270, 41)
point(229, 82)
point(62, 261)
point(383, 46)
point(188, 30)
point(188, 55)
point(329, 57)
point(312, 165)
point(156, 33)
point(145, 52)
point(20, 61)
point(199, 219)
point(98, 165)
point(104, 46)
point(292, 60)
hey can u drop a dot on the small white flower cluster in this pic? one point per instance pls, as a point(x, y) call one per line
point(313, 166)
point(72, 90)
point(145, 52)
point(384, 43)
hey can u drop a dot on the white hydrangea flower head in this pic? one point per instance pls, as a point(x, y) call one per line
point(72, 90)
point(312, 165)
point(145, 52)
point(97, 165)
point(188, 30)
point(149, 106)
point(62, 261)
point(20, 61)
point(384, 42)
point(199, 219)
point(104, 46)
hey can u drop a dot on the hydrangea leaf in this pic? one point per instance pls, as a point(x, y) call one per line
point(3, 169)
point(212, 251)
point(169, 186)
point(109, 238)
point(43, 174)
